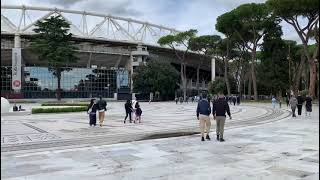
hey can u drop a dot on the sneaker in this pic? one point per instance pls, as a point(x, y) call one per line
point(218, 138)
point(208, 137)
point(221, 140)
point(124, 122)
point(202, 138)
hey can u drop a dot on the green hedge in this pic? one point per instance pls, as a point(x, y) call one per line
point(58, 110)
point(65, 104)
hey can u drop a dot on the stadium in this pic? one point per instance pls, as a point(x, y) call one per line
point(109, 49)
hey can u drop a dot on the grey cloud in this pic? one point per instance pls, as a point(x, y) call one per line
point(114, 7)
point(62, 3)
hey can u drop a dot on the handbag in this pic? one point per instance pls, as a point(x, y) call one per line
point(90, 109)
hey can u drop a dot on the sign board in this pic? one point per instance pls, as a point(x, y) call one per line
point(16, 69)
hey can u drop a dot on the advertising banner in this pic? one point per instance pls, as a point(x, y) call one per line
point(16, 69)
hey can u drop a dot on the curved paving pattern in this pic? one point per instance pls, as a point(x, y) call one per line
point(39, 132)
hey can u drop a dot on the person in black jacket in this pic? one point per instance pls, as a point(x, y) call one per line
point(93, 107)
point(138, 113)
point(300, 103)
point(203, 113)
point(128, 108)
point(234, 100)
point(238, 100)
point(102, 108)
point(308, 105)
point(219, 109)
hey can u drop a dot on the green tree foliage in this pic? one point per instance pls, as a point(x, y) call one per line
point(249, 22)
point(293, 12)
point(180, 40)
point(207, 45)
point(53, 44)
point(156, 76)
point(217, 86)
point(273, 71)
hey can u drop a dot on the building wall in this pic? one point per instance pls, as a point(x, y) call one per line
point(102, 69)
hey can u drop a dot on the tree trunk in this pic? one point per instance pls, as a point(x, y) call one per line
point(59, 84)
point(182, 78)
point(313, 78)
point(253, 74)
point(226, 76)
point(184, 83)
point(226, 60)
point(197, 83)
point(241, 79)
point(297, 76)
point(249, 85)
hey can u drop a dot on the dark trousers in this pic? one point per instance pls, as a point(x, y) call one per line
point(93, 119)
point(293, 111)
point(299, 109)
point(128, 113)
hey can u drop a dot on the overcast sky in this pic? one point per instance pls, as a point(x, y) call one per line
point(179, 14)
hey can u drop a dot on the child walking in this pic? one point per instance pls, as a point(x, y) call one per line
point(138, 112)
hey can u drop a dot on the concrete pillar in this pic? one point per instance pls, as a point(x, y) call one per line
point(131, 72)
point(16, 64)
point(17, 41)
point(213, 69)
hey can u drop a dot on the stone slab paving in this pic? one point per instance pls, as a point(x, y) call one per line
point(278, 150)
point(32, 132)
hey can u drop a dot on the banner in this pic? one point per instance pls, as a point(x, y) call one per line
point(16, 69)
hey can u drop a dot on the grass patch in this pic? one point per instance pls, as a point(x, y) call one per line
point(65, 104)
point(58, 110)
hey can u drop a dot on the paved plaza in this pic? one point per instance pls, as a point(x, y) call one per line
point(261, 143)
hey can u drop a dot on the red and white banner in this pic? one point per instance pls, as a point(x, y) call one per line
point(16, 68)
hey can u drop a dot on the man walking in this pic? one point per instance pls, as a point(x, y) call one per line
point(128, 108)
point(102, 107)
point(300, 103)
point(203, 113)
point(219, 109)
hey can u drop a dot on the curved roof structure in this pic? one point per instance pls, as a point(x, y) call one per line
point(87, 25)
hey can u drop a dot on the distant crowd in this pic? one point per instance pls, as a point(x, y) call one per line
point(233, 99)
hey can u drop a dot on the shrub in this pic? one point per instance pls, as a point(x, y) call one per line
point(217, 86)
point(65, 104)
point(304, 93)
point(58, 110)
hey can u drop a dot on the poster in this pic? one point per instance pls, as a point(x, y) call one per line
point(16, 69)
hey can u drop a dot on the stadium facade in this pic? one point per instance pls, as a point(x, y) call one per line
point(106, 60)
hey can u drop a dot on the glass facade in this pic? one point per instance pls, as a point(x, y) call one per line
point(39, 82)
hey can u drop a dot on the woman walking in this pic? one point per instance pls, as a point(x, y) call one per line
point(92, 111)
point(308, 105)
point(273, 102)
point(293, 103)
